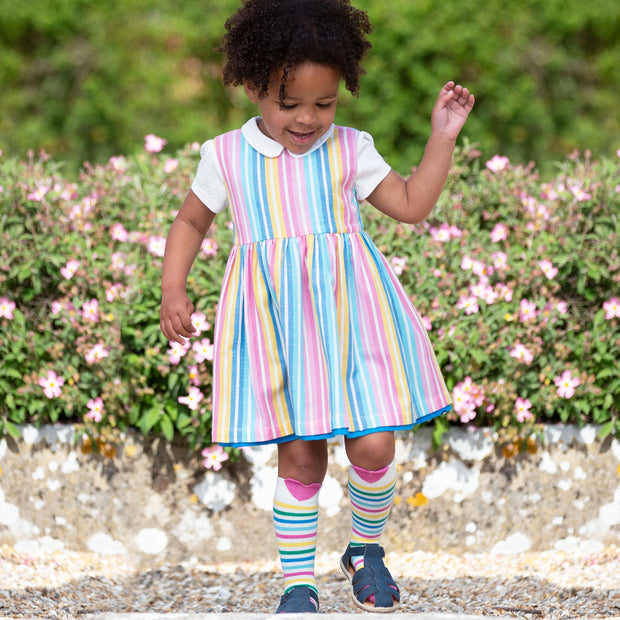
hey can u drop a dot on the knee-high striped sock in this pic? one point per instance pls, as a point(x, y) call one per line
point(296, 516)
point(371, 494)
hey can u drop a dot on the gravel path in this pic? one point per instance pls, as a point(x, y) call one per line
point(551, 585)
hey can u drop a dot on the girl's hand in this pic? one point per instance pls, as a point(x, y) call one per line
point(451, 110)
point(175, 316)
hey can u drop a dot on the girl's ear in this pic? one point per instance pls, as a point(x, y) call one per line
point(252, 93)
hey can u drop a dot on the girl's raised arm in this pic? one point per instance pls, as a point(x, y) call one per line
point(412, 200)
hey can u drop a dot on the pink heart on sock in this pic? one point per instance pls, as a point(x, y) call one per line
point(300, 491)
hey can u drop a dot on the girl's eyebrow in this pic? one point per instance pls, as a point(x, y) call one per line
point(321, 98)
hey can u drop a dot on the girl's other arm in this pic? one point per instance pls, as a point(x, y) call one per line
point(182, 245)
point(412, 200)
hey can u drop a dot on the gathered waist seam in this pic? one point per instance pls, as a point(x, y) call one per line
point(305, 235)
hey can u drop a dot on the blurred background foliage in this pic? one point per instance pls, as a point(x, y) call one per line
point(86, 80)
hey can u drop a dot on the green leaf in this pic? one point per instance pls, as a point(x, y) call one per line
point(441, 427)
point(606, 429)
point(149, 420)
point(11, 429)
point(167, 428)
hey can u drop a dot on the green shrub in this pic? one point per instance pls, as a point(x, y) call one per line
point(79, 294)
point(86, 80)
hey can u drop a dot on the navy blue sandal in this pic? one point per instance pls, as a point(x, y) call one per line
point(299, 600)
point(372, 587)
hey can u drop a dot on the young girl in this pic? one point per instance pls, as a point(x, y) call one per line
point(314, 336)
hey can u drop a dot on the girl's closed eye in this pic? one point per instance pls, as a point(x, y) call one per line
point(292, 106)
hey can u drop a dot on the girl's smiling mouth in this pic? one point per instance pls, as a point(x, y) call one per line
point(301, 137)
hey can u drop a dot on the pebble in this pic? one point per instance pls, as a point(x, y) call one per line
point(552, 585)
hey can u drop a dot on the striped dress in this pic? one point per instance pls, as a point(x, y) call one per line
point(314, 336)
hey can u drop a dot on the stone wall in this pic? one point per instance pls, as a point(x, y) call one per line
point(153, 500)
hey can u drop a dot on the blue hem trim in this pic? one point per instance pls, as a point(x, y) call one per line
point(340, 431)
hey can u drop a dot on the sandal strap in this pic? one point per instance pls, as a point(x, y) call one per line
point(300, 599)
point(374, 579)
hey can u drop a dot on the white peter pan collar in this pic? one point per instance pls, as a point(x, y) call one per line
point(270, 148)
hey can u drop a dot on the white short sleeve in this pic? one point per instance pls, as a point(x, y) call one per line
point(371, 167)
point(208, 183)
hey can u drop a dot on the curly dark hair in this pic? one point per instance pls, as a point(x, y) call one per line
point(265, 36)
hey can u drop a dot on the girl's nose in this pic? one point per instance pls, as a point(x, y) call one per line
point(306, 116)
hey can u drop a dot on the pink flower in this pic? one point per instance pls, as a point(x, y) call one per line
point(153, 144)
point(566, 384)
point(118, 232)
point(90, 311)
point(193, 375)
point(499, 233)
point(69, 192)
point(171, 165)
point(177, 351)
point(562, 307)
point(157, 246)
point(38, 194)
point(203, 350)
point(119, 163)
point(51, 384)
point(611, 307)
point(428, 325)
point(529, 202)
point(469, 304)
point(214, 457)
point(200, 323)
point(522, 408)
point(482, 270)
point(466, 263)
point(500, 260)
point(113, 292)
point(505, 292)
point(68, 271)
point(209, 247)
point(95, 409)
point(542, 212)
point(118, 260)
point(466, 410)
point(482, 290)
point(473, 390)
point(192, 399)
point(455, 232)
point(464, 398)
point(96, 354)
point(398, 264)
point(522, 354)
point(548, 269)
point(497, 163)
point(579, 193)
point(527, 310)
point(6, 308)
point(441, 234)
point(548, 192)
point(445, 232)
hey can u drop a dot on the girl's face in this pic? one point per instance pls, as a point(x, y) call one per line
point(308, 109)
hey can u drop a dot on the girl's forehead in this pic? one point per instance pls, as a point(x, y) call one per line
point(305, 76)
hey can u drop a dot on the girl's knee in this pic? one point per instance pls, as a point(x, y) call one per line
point(304, 461)
point(372, 451)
